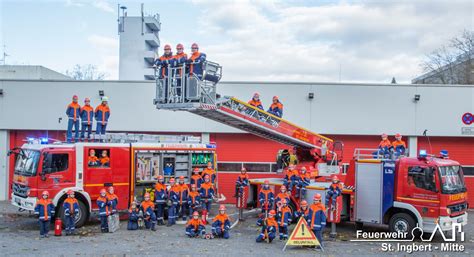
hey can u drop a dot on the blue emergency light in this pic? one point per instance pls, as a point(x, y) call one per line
point(422, 154)
point(44, 140)
point(30, 140)
point(444, 153)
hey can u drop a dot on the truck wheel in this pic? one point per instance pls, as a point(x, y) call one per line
point(401, 222)
point(81, 217)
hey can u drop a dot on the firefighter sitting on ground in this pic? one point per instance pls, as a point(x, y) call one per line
point(399, 145)
point(334, 190)
point(183, 199)
point(44, 210)
point(284, 217)
point(317, 218)
point(160, 200)
point(148, 207)
point(104, 210)
point(133, 216)
point(221, 224)
point(195, 227)
point(71, 209)
point(303, 211)
point(266, 197)
point(209, 171)
point(104, 159)
point(269, 227)
point(291, 177)
point(282, 195)
point(303, 181)
point(173, 201)
point(92, 160)
point(241, 183)
point(196, 179)
point(194, 200)
point(276, 108)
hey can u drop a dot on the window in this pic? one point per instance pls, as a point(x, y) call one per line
point(229, 166)
point(55, 162)
point(99, 158)
point(422, 177)
point(251, 167)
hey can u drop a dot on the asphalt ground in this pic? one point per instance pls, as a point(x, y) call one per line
point(19, 236)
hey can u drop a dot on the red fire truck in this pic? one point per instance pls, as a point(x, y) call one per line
point(402, 192)
point(134, 162)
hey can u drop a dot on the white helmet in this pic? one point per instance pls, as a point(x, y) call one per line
point(105, 99)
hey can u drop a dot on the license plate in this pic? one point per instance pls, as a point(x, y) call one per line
point(460, 220)
point(18, 201)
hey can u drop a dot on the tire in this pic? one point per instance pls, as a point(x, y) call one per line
point(81, 218)
point(359, 225)
point(401, 222)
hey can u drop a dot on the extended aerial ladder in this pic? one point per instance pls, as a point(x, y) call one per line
point(197, 94)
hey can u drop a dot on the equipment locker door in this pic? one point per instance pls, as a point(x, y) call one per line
point(369, 182)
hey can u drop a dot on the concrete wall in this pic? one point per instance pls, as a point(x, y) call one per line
point(29, 72)
point(351, 109)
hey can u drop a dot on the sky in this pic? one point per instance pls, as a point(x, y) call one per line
point(261, 40)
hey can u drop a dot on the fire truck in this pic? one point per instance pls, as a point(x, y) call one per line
point(134, 162)
point(403, 192)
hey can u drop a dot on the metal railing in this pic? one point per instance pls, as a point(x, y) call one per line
point(144, 138)
point(252, 111)
point(375, 154)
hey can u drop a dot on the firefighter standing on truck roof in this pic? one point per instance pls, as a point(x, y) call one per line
point(195, 227)
point(269, 227)
point(44, 210)
point(173, 201)
point(71, 209)
point(183, 199)
point(161, 195)
point(266, 197)
point(195, 61)
point(221, 224)
point(317, 218)
point(148, 207)
point(194, 200)
point(276, 108)
point(104, 210)
point(196, 179)
point(209, 171)
point(255, 102)
point(384, 146)
point(102, 115)
point(87, 118)
point(399, 145)
point(284, 217)
point(73, 113)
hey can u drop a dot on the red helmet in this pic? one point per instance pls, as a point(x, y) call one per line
point(283, 201)
point(398, 136)
point(147, 195)
point(335, 178)
point(266, 182)
point(206, 176)
point(272, 212)
point(194, 45)
point(102, 191)
point(196, 170)
point(45, 193)
point(275, 97)
point(222, 207)
point(167, 47)
point(384, 135)
point(160, 177)
point(282, 187)
point(256, 94)
point(87, 99)
point(195, 213)
point(209, 163)
point(193, 186)
point(70, 192)
point(243, 170)
point(304, 203)
point(171, 180)
point(181, 178)
point(75, 97)
point(111, 188)
point(303, 168)
point(317, 197)
point(179, 46)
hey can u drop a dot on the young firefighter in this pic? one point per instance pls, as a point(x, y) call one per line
point(194, 200)
point(276, 108)
point(209, 171)
point(255, 102)
point(334, 190)
point(207, 194)
point(284, 219)
point(112, 199)
point(266, 197)
point(102, 115)
point(133, 216)
point(399, 145)
point(303, 181)
point(196, 179)
point(104, 210)
point(303, 211)
point(73, 113)
point(92, 160)
point(104, 159)
point(269, 227)
point(160, 200)
point(148, 212)
point(317, 217)
point(87, 117)
point(44, 209)
point(241, 183)
point(291, 177)
point(195, 227)
point(173, 200)
point(221, 224)
point(282, 195)
point(183, 198)
point(71, 209)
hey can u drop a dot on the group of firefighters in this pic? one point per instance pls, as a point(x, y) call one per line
point(394, 149)
point(85, 115)
point(276, 108)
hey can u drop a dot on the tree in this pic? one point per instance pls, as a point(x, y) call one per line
point(452, 63)
point(85, 72)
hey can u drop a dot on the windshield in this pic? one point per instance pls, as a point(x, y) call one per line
point(27, 162)
point(452, 179)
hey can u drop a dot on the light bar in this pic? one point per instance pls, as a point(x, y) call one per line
point(422, 153)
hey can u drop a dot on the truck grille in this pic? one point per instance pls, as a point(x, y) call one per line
point(20, 190)
point(458, 207)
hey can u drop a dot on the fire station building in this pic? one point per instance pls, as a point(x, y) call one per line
point(356, 114)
